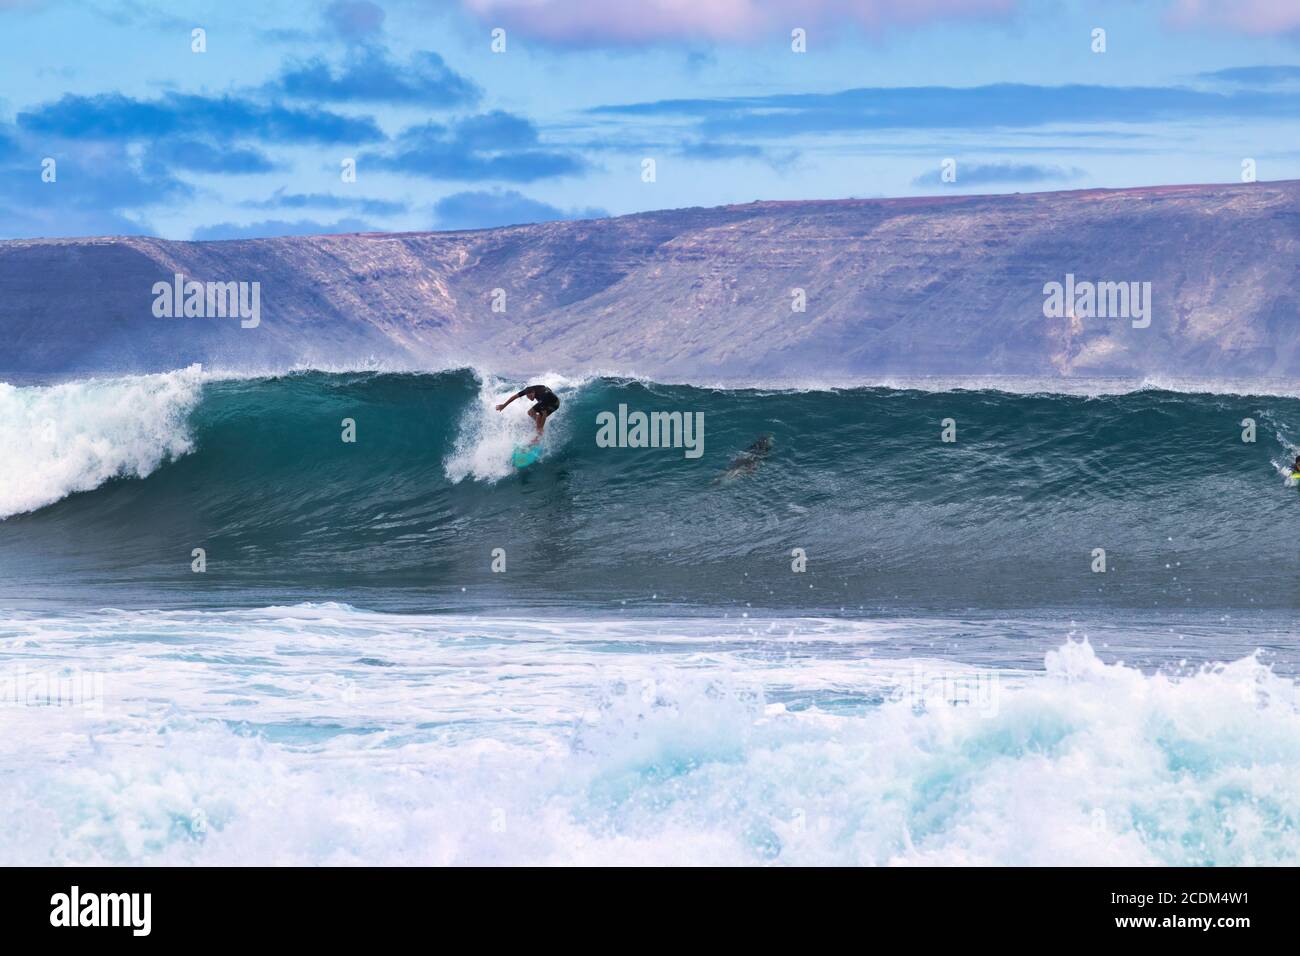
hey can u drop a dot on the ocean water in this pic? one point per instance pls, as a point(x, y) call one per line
point(857, 644)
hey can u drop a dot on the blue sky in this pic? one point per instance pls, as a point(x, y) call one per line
point(248, 138)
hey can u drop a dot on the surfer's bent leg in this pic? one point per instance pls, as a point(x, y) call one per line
point(542, 411)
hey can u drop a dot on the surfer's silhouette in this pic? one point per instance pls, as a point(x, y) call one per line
point(546, 404)
point(747, 462)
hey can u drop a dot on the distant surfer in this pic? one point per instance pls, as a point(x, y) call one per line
point(1295, 469)
point(748, 460)
point(546, 404)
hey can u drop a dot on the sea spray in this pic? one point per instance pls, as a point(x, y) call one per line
point(486, 437)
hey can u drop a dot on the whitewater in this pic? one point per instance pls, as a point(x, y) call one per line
point(648, 679)
point(322, 734)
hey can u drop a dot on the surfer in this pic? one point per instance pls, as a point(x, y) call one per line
point(1295, 469)
point(747, 461)
point(546, 404)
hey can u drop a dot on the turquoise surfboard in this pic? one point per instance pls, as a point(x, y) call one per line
point(525, 455)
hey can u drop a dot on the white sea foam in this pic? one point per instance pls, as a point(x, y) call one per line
point(60, 439)
point(325, 735)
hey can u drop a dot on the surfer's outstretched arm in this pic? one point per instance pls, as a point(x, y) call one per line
point(511, 399)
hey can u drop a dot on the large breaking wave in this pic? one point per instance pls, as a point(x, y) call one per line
point(140, 471)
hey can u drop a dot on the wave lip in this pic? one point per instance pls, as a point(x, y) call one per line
point(60, 439)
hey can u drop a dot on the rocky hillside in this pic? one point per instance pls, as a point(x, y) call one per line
point(937, 286)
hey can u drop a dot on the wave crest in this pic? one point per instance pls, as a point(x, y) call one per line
point(60, 439)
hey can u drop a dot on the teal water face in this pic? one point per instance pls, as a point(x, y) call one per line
point(423, 509)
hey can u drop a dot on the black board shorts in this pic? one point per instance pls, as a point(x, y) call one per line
point(547, 404)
